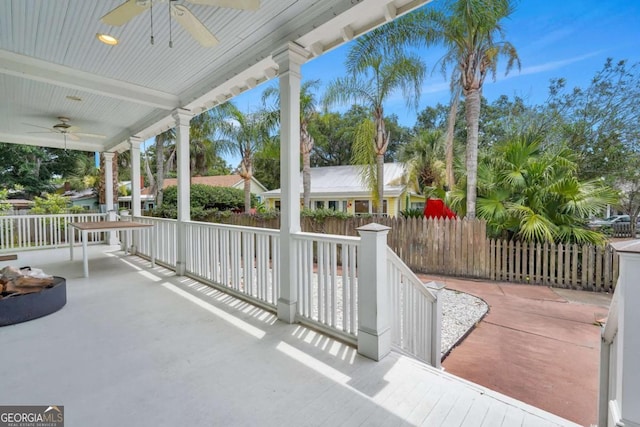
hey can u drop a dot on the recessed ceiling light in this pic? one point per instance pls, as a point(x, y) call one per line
point(74, 98)
point(107, 39)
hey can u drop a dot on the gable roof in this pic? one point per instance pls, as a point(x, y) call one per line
point(235, 181)
point(345, 180)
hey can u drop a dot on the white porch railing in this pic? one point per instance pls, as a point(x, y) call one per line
point(42, 231)
point(416, 312)
point(244, 260)
point(163, 236)
point(327, 282)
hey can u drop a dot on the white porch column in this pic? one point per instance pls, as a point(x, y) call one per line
point(112, 238)
point(182, 117)
point(289, 59)
point(134, 146)
point(374, 331)
point(628, 360)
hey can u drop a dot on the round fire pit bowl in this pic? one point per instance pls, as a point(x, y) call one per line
point(26, 307)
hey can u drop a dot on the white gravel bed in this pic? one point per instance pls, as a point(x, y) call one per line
point(460, 313)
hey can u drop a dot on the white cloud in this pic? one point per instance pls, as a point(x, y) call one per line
point(551, 65)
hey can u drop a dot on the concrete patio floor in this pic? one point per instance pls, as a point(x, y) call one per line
point(137, 346)
point(537, 344)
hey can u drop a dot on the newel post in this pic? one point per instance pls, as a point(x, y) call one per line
point(374, 332)
point(628, 363)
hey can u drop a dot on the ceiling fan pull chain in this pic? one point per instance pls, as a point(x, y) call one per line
point(151, 10)
point(170, 33)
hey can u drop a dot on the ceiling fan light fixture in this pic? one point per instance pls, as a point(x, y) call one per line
point(107, 39)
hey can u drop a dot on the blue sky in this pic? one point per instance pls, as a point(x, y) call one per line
point(559, 38)
point(554, 38)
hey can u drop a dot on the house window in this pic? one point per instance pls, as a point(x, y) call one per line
point(334, 205)
point(384, 206)
point(276, 204)
point(319, 204)
point(417, 205)
point(361, 207)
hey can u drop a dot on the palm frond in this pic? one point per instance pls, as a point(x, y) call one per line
point(363, 154)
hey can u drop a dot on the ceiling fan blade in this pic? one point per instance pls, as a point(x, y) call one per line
point(125, 12)
point(40, 127)
point(89, 135)
point(193, 26)
point(233, 4)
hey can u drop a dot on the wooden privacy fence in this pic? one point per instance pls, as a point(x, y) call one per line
point(460, 247)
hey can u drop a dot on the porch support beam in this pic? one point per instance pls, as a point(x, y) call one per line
point(289, 59)
point(112, 238)
point(182, 118)
point(134, 147)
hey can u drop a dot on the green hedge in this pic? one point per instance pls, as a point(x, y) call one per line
point(206, 201)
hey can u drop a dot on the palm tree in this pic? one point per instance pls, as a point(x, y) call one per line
point(308, 111)
point(162, 140)
point(473, 37)
point(423, 155)
point(471, 32)
point(245, 135)
point(85, 173)
point(205, 135)
point(449, 138)
point(535, 195)
point(375, 76)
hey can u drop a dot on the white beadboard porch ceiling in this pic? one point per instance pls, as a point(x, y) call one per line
point(49, 51)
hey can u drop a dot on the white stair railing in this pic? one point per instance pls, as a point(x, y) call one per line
point(620, 346)
point(416, 312)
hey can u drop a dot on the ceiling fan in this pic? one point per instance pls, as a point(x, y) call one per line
point(64, 128)
point(132, 8)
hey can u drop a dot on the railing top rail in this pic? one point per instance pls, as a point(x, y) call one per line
point(66, 215)
point(610, 328)
point(257, 230)
point(154, 218)
point(331, 238)
point(415, 281)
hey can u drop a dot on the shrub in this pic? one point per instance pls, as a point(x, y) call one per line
point(50, 204)
point(412, 213)
point(322, 214)
point(206, 201)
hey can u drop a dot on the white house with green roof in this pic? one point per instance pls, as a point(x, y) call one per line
point(341, 188)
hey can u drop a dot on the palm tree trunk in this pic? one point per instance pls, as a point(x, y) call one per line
point(114, 179)
point(246, 173)
point(382, 142)
point(472, 113)
point(247, 194)
point(159, 169)
point(380, 183)
point(306, 145)
point(147, 170)
point(102, 198)
point(451, 127)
